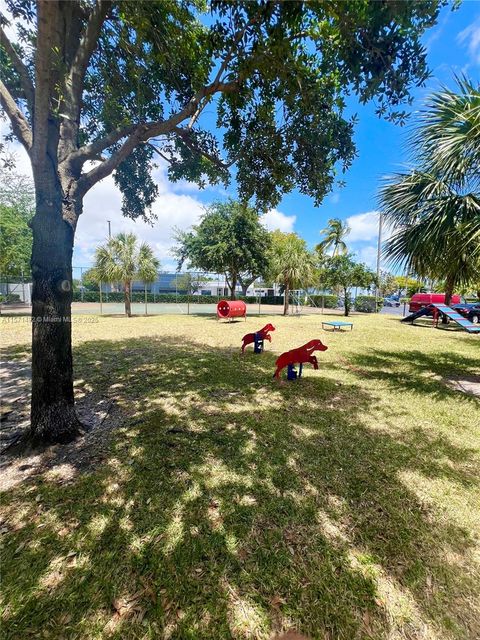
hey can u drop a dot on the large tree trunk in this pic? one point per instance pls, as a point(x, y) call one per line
point(233, 287)
point(449, 287)
point(245, 284)
point(128, 306)
point(346, 303)
point(53, 417)
point(286, 299)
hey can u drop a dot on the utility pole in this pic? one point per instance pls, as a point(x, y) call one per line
point(112, 286)
point(379, 251)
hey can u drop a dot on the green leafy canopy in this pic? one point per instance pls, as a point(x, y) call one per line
point(123, 259)
point(229, 239)
point(275, 75)
point(17, 205)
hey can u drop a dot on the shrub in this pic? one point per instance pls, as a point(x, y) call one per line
point(367, 304)
point(329, 301)
point(139, 296)
point(9, 298)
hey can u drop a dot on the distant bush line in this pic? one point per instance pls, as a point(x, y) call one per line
point(329, 301)
point(368, 304)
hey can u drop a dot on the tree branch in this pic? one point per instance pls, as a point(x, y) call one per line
point(47, 13)
point(164, 157)
point(20, 126)
point(92, 150)
point(74, 81)
point(184, 134)
point(20, 68)
point(87, 45)
point(87, 180)
point(145, 131)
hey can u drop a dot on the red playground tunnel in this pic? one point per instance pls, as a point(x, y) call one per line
point(231, 309)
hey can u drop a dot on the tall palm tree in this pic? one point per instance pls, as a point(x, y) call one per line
point(291, 264)
point(335, 232)
point(434, 209)
point(123, 259)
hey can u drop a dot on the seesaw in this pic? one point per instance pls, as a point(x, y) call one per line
point(301, 356)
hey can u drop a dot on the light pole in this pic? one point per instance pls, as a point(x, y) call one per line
point(112, 286)
point(379, 250)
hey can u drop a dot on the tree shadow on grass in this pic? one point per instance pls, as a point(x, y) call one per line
point(231, 507)
point(417, 371)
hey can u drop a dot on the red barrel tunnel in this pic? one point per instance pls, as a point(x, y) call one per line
point(231, 309)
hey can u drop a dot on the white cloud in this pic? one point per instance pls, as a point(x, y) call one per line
point(436, 32)
point(175, 206)
point(172, 208)
point(470, 38)
point(103, 203)
point(368, 255)
point(275, 219)
point(363, 226)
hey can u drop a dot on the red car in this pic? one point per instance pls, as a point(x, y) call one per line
point(420, 300)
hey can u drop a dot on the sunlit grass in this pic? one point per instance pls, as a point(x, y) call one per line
point(344, 505)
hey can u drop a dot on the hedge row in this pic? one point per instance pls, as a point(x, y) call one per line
point(368, 304)
point(9, 298)
point(328, 301)
point(118, 296)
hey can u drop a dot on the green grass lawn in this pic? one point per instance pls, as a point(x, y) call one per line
point(345, 505)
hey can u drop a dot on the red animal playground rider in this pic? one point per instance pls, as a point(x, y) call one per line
point(299, 356)
point(261, 335)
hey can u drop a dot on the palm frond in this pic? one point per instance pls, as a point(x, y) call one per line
point(122, 260)
point(447, 137)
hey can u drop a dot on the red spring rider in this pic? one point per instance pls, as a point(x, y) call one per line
point(258, 338)
point(301, 355)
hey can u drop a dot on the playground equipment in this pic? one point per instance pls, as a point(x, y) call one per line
point(300, 298)
point(300, 356)
point(231, 309)
point(258, 338)
point(437, 309)
point(337, 324)
point(424, 311)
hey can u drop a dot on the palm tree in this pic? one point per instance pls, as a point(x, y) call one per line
point(434, 209)
point(291, 264)
point(123, 260)
point(334, 233)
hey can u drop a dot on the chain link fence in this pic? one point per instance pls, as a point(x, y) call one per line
point(171, 292)
point(191, 292)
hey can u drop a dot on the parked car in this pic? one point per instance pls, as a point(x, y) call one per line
point(470, 310)
point(420, 300)
point(391, 302)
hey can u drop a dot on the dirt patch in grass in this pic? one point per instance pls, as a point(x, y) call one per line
point(18, 462)
point(465, 384)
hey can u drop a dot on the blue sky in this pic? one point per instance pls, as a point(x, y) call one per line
point(453, 47)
